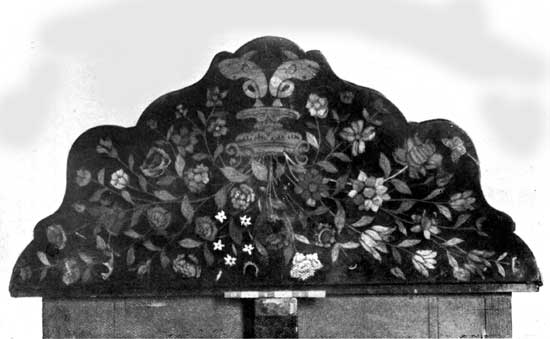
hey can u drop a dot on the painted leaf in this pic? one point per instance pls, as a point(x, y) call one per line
point(401, 186)
point(335, 252)
point(233, 175)
point(201, 116)
point(208, 256)
point(453, 242)
point(164, 260)
point(86, 258)
point(330, 137)
point(179, 164)
point(396, 271)
point(401, 227)
point(43, 258)
point(434, 193)
point(312, 140)
point(142, 183)
point(288, 253)
point(340, 217)
point(235, 232)
point(200, 156)
point(259, 170)
point(187, 209)
point(301, 238)
point(218, 151)
point(97, 194)
point(461, 220)
point(132, 234)
point(164, 195)
point(452, 261)
point(130, 256)
point(150, 246)
point(131, 162)
point(100, 243)
point(365, 220)
point(260, 248)
point(500, 269)
point(341, 156)
point(221, 197)
point(396, 255)
point(384, 164)
point(445, 211)
point(101, 176)
point(350, 245)
point(409, 243)
point(127, 196)
point(327, 166)
point(166, 180)
point(189, 243)
point(405, 206)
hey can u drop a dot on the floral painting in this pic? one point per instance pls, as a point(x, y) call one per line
point(271, 172)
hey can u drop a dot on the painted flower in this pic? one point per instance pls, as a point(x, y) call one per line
point(218, 245)
point(214, 97)
point(83, 177)
point(317, 106)
point(425, 224)
point(461, 274)
point(152, 124)
point(357, 135)
point(119, 179)
point(205, 228)
point(56, 236)
point(461, 202)
point(159, 218)
point(230, 260)
point(245, 221)
point(312, 187)
point(242, 196)
point(185, 141)
point(70, 271)
point(196, 178)
point(325, 235)
point(347, 97)
point(217, 127)
point(155, 163)
point(369, 193)
point(220, 216)
point(304, 266)
point(110, 218)
point(374, 240)
point(186, 265)
point(457, 147)
point(248, 248)
point(418, 156)
point(424, 260)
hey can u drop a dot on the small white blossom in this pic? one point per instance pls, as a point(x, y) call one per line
point(229, 260)
point(221, 216)
point(248, 248)
point(218, 245)
point(246, 221)
point(119, 179)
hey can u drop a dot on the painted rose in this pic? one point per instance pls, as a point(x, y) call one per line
point(457, 147)
point(156, 162)
point(358, 135)
point(110, 218)
point(425, 224)
point(186, 265)
point(218, 127)
point(196, 178)
point(159, 218)
point(419, 156)
point(206, 228)
point(461, 202)
point(70, 271)
point(214, 97)
point(317, 106)
point(312, 187)
point(304, 266)
point(369, 193)
point(83, 177)
point(185, 141)
point(424, 260)
point(242, 196)
point(461, 274)
point(374, 240)
point(119, 179)
point(56, 236)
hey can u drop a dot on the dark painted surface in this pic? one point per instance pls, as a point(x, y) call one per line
point(271, 172)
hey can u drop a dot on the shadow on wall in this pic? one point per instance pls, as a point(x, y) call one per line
point(128, 39)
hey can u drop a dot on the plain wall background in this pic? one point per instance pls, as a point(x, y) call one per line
point(68, 65)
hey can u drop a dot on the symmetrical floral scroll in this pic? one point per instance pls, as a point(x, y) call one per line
point(223, 187)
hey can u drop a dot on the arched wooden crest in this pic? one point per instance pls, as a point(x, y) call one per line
point(271, 172)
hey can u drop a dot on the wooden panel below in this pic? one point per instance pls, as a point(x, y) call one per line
point(429, 316)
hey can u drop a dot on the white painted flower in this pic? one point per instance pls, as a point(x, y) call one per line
point(317, 106)
point(119, 179)
point(246, 221)
point(304, 266)
point(369, 193)
point(424, 260)
point(221, 216)
point(229, 260)
point(248, 248)
point(218, 245)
